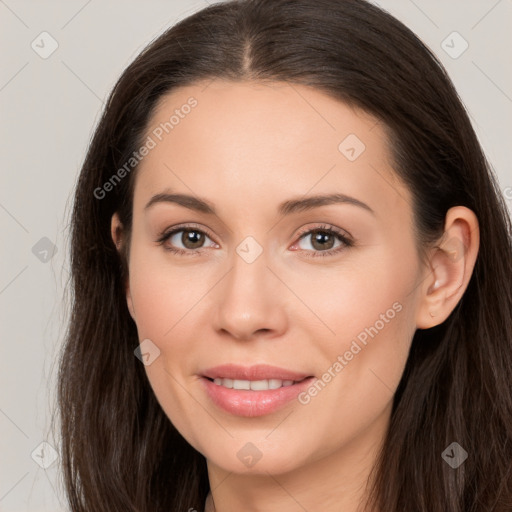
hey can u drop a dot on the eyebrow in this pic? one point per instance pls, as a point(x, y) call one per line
point(286, 208)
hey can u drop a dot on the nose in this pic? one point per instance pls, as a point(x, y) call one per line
point(251, 301)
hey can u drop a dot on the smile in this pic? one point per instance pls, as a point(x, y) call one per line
point(252, 391)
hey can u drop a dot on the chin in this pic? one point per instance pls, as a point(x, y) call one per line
point(256, 457)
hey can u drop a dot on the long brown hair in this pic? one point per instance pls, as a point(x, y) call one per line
point(120, 452)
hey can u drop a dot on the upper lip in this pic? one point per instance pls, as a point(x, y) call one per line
point(256, 372)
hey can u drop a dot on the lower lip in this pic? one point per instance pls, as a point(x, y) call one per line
point(243, 402)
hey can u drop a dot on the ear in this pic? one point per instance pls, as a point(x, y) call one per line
point(450, 267)
point(117, 233)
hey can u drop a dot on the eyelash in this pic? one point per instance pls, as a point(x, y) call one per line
point(346, 242)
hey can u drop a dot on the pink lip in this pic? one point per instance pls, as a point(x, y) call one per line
point(248, 403)
point(256, 372)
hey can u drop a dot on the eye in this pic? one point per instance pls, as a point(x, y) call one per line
point(190, 237)
point(323, 239)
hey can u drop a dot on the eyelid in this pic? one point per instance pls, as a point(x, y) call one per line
point(166, 233)
point(325, 227)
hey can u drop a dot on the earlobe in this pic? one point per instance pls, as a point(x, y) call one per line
point(129, 303)
point(451, 265)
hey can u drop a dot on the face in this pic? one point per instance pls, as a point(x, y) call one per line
point(325, 293)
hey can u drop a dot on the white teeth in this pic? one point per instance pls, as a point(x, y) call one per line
point(274, 383)
point(227, 383)
point(241, 384)
point(254, 385)
point(259, 385)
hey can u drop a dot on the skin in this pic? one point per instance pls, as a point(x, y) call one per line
point(247, 147)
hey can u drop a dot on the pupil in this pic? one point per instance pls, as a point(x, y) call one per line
point(320, 237)
point(192, 237)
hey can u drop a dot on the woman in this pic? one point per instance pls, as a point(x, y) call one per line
point(292, 277)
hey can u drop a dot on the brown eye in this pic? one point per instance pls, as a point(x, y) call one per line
point(192, 239)
point(322, 240)
point(185, 240)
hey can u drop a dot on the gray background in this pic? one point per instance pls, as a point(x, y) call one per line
point(49, 107)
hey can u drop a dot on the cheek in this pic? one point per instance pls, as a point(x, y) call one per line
point(163, 300)
point(370, 311)
point(365, 298)
point(160, 294)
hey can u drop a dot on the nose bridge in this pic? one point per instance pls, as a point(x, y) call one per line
point(249, 265)
point(248, 301)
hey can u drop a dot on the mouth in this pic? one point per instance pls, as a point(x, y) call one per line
point(253, 391)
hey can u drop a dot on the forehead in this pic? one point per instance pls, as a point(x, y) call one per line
point(253, 143)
